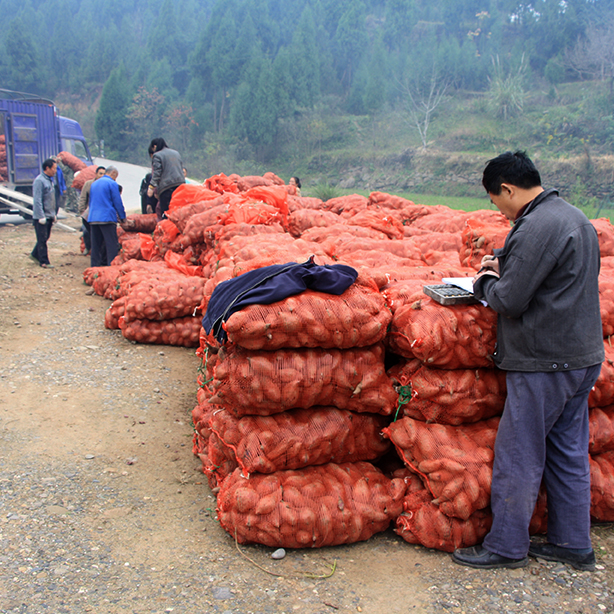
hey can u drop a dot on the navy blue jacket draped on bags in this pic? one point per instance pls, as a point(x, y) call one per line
point(270, 284)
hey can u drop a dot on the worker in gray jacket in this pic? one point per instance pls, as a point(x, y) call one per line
point(43, 212)
point(166, 174)
point(544, 285)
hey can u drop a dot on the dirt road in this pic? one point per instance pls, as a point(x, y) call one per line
point(103, 507)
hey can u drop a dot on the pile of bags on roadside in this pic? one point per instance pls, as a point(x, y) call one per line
point(322, 419)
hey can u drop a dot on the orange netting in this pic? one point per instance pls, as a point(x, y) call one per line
point(606, 301)
point(114, 313)
point(265, 383)
point(449, 337)
point(138, 222)
point(327, 505)
point(187, 193)
point(601, 428)
point(455, 461)
point(451, 396)
point(89, 172)
point(181, 215)
point(179, 331)
point(602, 393)
point(357, 318)
point(74, 163)
point(164, 300)
point(602, 486)
point(381, 220)
point(605, 232)
point(347, 205)
point(302, 219)
point(300, 438)
point(480, 239)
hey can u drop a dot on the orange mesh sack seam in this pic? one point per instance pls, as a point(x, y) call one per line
point(455, 461)
point(327, 505)
point(601, 429)
point(301, 437)
point(264, 383)
point(356, 318)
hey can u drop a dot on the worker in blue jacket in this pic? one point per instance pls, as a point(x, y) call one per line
point(106, 209)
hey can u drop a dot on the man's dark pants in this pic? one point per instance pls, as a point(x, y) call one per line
point(105, 245)
point(164, 201)
point(42, 236)
point(543, 433)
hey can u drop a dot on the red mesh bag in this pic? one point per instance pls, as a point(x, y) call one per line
point(164, 300)
point(356, 318)
point(101, 278)
point(181, 215)
point(138, 222)
point(114, 313)
point(331, 234)
point(198, 224)
point(606, 301)
point(605, 232)
point(382, 199)
point(448, 337)
point(89, 172)
point(423, 522)
point(378, 220)
point(344, 246)
point(602, 393)
point(220, 184)
point(157, 273)
point(301, 220)
point(179, 263)
point(181, 332)
point(221, 461)
point(252, 212)
point(327, 505)
point(149, 251)
point(273, 195)
point(601, 429)
point(446, 221)
point(249, 182)
point(166, 236)
point(406, 292)
point(188, 194)
point(130, 249)
point(602, 486)
point(265, 383)
point(303, 202)
point(348, 205)
point(449, 396)
point(480, 239)
point(454, 461)
point(300, 438)
point(73, 163)
point(276, 180)
point(437, 246)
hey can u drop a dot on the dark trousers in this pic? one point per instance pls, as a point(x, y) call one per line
point(105, 245)
point(543, 433)
point(42, 236)
point(87, 239)
point(164, 201)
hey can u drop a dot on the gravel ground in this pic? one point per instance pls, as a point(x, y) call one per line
point(103, 507)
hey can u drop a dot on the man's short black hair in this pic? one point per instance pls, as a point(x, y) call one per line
point(48, 163)
point(513, 168)
point(159, 144)
point(101, 168)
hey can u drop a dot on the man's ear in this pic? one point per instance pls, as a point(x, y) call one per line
point(509, 189)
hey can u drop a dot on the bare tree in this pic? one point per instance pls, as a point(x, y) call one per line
point(593, 56)
point(421, 102)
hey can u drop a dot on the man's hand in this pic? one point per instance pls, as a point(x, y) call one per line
point(489, 263)
point(43, 221)
point(150, 191)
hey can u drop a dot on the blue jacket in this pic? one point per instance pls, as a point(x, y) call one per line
point(106, 204)
point(270, 284)
point(60, 183)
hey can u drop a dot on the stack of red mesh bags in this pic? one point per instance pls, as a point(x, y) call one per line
point(4, 171)
point(290, 411)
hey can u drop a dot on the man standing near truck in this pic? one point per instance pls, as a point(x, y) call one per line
point(43, 212)
point(106, 209)
point(544, 285)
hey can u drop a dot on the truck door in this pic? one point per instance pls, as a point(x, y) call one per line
point(25, 150)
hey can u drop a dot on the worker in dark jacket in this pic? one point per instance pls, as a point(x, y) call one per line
point(106, 209)
point(43, 211)
point(543, 284)
point(166, 174)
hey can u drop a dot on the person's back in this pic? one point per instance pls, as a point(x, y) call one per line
point(106, 204)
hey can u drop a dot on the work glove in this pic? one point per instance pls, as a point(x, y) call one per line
point(43, 221)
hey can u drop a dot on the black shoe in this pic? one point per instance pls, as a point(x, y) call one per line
point(577, 559)
point(480, 558)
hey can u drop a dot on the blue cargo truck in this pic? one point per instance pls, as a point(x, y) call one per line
point(31, 130)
